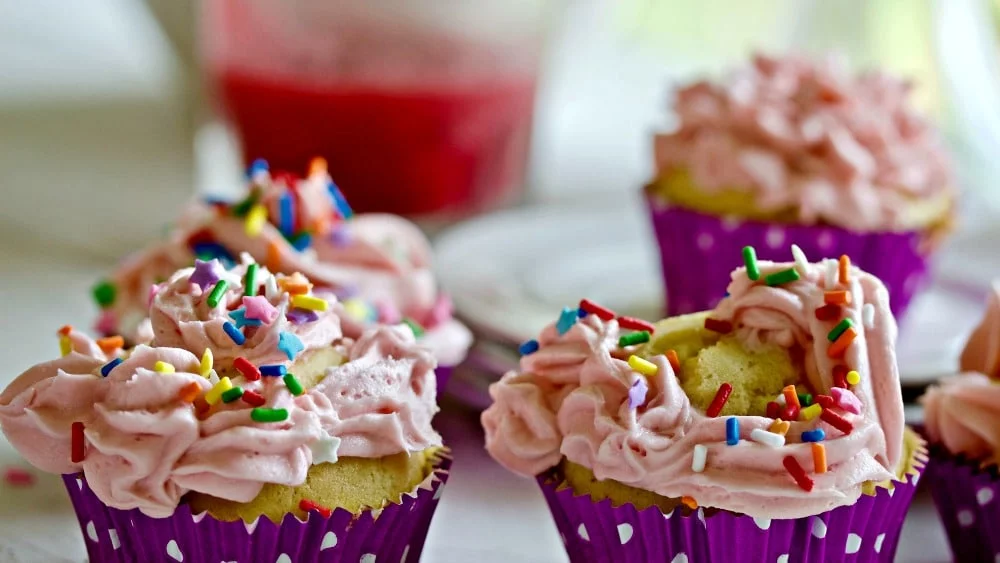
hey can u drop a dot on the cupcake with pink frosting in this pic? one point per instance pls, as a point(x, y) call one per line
point(251, 427)
point(790, 151)
point(767, 429)
point(962, 423)
point(378, 265)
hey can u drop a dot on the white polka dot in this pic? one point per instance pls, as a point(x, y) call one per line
point(79, 483)
point(997, 558)
point(367, 558)
point(406, 553)
point(667, 515)
point(438, 492)
point(775, 238)
point(762, 523)
point(92, 531)
point(825, 240)
point(680, 558)
point(283, 558)
point(329, 541)
point(783, 558)
point(582, 532)
point(624, 532)
point(878, 542)
point(966, 518)
point(730, 223)
point(892, 491)
point(706, 241)
point(853, 543)
point(174, 552)
point(984, 496)
point(701, 515)
point(915, 479)
point(819, 528)
point(113, 534)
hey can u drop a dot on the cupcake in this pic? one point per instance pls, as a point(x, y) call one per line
point(379, 265)
point(962, 423)
point(249, 428)
point(788, 151)
point(768, 429)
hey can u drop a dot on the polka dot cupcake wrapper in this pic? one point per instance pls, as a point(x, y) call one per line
point(867, 531)
point(698, 252)
point(443, 374)
point(395, 534)
point(968, 501)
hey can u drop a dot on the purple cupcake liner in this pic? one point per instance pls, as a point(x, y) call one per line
point(698, 252)
point(968, 501)
point(595, 531)
point(443, 374)
point(396, 533)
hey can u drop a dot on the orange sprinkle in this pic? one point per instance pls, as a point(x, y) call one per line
point(780, 427)
point(317, 166)
point(689, 502)
point(65, 330)
point(791, 397)
point(675, 362)
point(321, 226)
point(838, 348)
point(273, 262)
point(110, 343)
point(819, 457)
point(840, 297)
point(845, 269)
point(190, 392)
point(295, 284)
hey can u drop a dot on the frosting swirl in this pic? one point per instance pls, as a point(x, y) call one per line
point(810, 138)
point(571, 399)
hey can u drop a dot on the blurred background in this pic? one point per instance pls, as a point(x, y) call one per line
point(494, 125)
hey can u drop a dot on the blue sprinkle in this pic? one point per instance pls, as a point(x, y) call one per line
point(817, 435)
point(239, 316)
point(258, 165)
point(528, 347)
point(274, 370)
point(566, 320)
point(286, 214)
point(732, 431)
point(216, 200)
point(581, 313)
point(341, 202)
point(106, 368)
point(209, 250)
point(234, 333)
point(302, 242)
point(289, 344)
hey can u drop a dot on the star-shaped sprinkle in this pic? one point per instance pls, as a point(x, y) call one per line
point(206, 273)
point(325, 449)
point(289, 344)
point(637, 393)
point(296, 284)
point(240, 317)
point(566, 320)
point(301, 316)
point(260, 309)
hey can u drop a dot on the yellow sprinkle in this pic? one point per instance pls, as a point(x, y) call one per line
point(65, 346)
point(780, 427)
point(811, 412)
point(642, 366)
point(309, 302)
point(255, 220)
point(207, 362)
point(164, 367)
point(853, 377)
point(215, 393)
point(357, 309)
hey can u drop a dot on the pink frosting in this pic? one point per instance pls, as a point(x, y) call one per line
point(841, 149)
point(146, 448)
point(982, 351)
point(570, 399)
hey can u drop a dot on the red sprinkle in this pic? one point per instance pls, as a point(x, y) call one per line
point(18, 477)
point(604, 313)
point(633, 323)
point(249, 371)
point(790, 413)
point(721, 396)
point(722, 327)
point(840, 376)
point(77, 451)
point(797, 473)
point(201, 407)
point(773, 410)
point(836, 421)
point(828, 313)
point(675, 362)
point(65, 330)
point(307, 506)
point(825, 401)
point(253, 398)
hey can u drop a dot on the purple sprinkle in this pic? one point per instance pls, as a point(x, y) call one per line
point(206, 273)
point(345, 292)
point(301, 316)
point(637, 394)
point(340, 236)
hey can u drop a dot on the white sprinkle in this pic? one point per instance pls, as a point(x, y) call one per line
point(831, 273)
point(698, 460)
point(270, 288)
point(868, 315)
point(801, 262)
point(781, 400)
point(767, 438)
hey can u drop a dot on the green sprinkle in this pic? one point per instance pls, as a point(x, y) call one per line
point(805, 399)
point(231, 395)
point(250, 281)
point(292, 384)
point(750, 259)
point(243, 207)
point(217, 291)
point(418, 330)
point(784, 276)
point(104, 294)
point(634, 338)
point(839, 329)
point(260, 414)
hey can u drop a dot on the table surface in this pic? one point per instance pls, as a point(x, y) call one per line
point(486, 515)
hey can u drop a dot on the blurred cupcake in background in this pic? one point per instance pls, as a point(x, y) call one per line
point(962, 422)
point(244, 431)
point(791, 151)
point(378, 265)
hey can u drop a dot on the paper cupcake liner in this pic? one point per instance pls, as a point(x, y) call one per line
point(395, 533)
point(443, 374)
point(593, 531)
point(968, 501)
point(698, 252)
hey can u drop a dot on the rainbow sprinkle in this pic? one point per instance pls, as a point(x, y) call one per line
point(719, 401)
point(853, 378)
point(65, 346)
point(260, 414)
point(811, 412)
point(289, 344)
point(77, 444)
point(732, 431)
point(566, 320)
point(633, 339)
point(105, 293)
point(293, 385)
point(207, 362)
point(217, 292)
point(817, 435)
point(750, 259)
point(309, 303)
point(250, 281)
point(164, 367)
point(215, 393)
point(797, 473)
point(106, 368)
point(782, 277)
point(602, 313)
point(698, 458)
point(415, 327)
point(273, 370)
point(819, 457)
point(767, 438)
point(528, 347)
point(231, 395)
point(642, 366)
point(255, 220)
point(842, 326)
point(234, 333)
